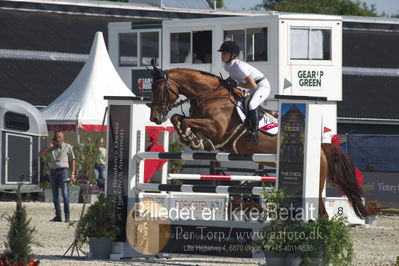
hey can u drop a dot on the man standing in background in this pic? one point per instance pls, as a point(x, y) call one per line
point(62, 163)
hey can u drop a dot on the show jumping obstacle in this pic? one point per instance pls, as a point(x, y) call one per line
point(126, 142)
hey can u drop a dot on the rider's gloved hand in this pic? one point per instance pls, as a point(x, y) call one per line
point(229, 83)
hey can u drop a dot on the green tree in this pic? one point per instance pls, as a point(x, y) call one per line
point(85, 159)
point(219, 3)
point(20, 236)
point(330, 7)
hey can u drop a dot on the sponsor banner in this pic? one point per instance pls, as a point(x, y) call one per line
point(374, 153)
point(291, 155)
point(153, 225)
point(118, 162)
point(309, 78)
point(292, 139)
point(197, 206)
point(141, 83)
point(215, 204)
point(380, 186)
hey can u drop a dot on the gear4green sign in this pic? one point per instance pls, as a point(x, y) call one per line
point(141, 83)
point(310, 78)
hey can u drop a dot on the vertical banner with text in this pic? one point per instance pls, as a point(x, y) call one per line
point(291, 157)
point(118, 163)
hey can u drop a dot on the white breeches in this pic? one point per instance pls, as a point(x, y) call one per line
point(259, 95)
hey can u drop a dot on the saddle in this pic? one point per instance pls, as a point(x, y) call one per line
point(261, 111)
point(267, 118)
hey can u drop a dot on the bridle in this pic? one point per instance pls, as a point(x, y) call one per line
point(165, 106)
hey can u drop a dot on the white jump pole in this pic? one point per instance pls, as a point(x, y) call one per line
point(221, 177)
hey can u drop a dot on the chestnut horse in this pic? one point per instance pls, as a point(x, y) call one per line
point(213, 122)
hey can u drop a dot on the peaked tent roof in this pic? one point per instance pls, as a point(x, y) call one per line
point(83, 103)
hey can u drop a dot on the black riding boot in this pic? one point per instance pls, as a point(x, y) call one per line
point(252, 124)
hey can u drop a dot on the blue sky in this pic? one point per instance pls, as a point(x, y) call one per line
point(387, 6)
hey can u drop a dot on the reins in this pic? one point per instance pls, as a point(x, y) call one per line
point(196, 98)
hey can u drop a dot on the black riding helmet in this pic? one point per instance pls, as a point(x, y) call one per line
point(230, 46)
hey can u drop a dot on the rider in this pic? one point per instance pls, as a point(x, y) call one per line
point(246, 76)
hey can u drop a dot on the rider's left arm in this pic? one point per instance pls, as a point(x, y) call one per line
point(249, 84)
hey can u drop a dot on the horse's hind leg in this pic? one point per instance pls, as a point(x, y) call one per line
point(323, 177)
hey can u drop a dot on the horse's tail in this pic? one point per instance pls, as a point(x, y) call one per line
point(341, 173)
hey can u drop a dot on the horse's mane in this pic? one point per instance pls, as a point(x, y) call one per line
point(237, 93)
point(196, 71)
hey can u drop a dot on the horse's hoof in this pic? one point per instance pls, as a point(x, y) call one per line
point(199, 146)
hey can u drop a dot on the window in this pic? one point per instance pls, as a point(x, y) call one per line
point(252, 41)
point(130, 49)
point(149, 47)
point(202, 47)
point(239, 37)
point(179, 47)
point(191, 47)
point(310, 44)
point(256, 44)
point(16, 121)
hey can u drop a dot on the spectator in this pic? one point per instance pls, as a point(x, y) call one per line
point(63, 162)
point(99, 167)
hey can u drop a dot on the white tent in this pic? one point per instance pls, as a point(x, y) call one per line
point(82, 105)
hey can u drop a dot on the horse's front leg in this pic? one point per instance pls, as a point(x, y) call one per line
point(195, 132)
point(176, 120)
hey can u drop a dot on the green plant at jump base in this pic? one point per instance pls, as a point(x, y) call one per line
point(321, 241)
point(97, 221)
point(325, 239)
point(268, 240)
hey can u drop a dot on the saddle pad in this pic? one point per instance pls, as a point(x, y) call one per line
point(267, 124)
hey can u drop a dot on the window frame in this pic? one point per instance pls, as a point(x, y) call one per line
point(310, 60)
point(252, 26)
point(190, 52)
point(7, 122)
point(139, 31)
point(191, 45)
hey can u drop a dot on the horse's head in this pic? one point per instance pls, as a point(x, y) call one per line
point(164, 94)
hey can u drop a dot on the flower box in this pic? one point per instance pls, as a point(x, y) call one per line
point(91, 198)
point(372, 220)
point(73, 195)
